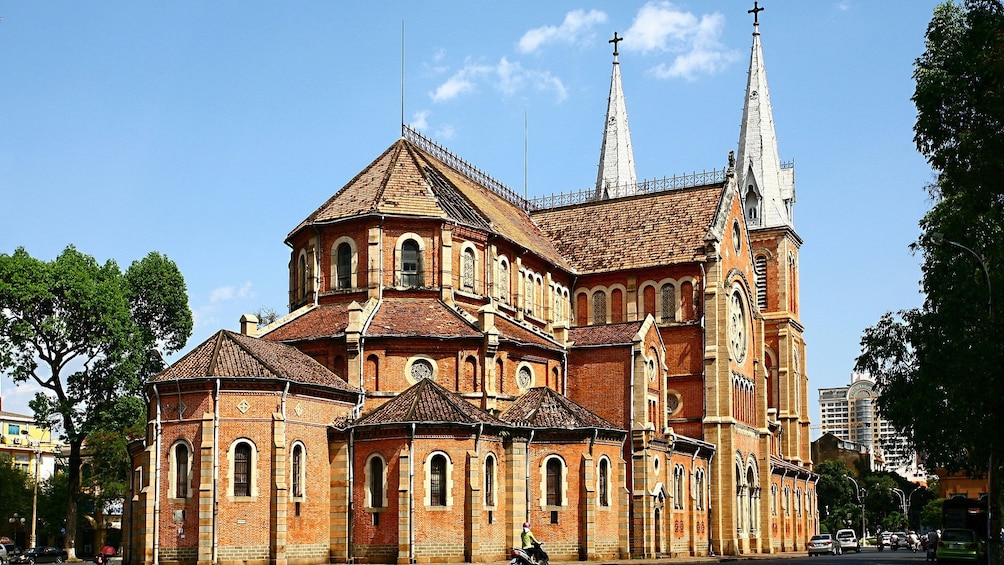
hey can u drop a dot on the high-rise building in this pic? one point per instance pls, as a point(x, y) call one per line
point(851, 413)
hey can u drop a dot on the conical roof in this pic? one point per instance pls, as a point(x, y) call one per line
point(616, 176)
point(411, 180)
point(229, 354)
point(542, 407)
point(427, 402)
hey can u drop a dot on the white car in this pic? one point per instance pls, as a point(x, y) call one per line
point(823, 544)
point(848, 541)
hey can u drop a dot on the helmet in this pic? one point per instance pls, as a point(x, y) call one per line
point(526, 524)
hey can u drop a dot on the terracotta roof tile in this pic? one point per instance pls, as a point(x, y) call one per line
point(427, 401)
point(608, 334)
point(513, 331)
point(543, 408)
point(229, 354)
point(418, 317)
point(406, 180)
point(328, 320)
point(630, 233)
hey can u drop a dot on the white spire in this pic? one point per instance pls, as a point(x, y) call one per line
point(616, 175)
point(767, 190)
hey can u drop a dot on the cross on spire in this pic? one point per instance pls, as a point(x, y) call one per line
point(615, 41)
point(755, 11)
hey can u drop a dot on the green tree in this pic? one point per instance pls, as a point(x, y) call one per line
point(940, 367)
point(930, 516)
point(89, 335)
point(15, 493)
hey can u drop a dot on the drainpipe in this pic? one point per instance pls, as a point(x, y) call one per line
point(317, 267)
point(156, 484)
point(216, 471)
point(411, 496)
point(351, 510)
point(711, 524)
point(527, 488)
point(282, 403)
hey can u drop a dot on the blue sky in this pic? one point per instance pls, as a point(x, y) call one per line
point(208, 130)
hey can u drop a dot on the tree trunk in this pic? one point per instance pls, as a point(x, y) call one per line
point(73, 496)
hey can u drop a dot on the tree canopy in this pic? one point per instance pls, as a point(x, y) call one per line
point(940, 368)
point(89, 335)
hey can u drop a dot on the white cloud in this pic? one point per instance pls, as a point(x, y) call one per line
point(225, 293)
point(420, 120)
point(576, 28)
point(508, 77)
point(662, 27)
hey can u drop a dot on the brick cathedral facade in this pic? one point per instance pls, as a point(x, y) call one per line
point(625, 372)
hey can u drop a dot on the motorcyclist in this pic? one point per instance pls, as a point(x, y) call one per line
point(528, 539)
point(894, 541)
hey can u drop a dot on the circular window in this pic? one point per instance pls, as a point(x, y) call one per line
point(673, 402)
point(524, 377)
point(737, 236)
point(650, 367)
point(737, 327)
point(421, 369)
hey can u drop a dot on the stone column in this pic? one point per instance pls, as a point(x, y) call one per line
point(280, 492)
point(405, 498)
point(587, 512)
point(207, 494)
point(339, 548)
point(473, 510)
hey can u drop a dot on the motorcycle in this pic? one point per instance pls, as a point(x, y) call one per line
point(534, 555)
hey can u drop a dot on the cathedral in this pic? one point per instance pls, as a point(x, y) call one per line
point(623, 368)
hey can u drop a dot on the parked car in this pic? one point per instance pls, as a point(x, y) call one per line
point(848, 541)
point(4, 558)
point(11, 550)
point(823, 544)
point(41, 554)
point(960, 545)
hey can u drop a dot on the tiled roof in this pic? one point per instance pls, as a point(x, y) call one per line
point(229, 354)
point(4, 415)
point(418, 317)
point(328, 320)
point(609, 334)
point(631, 233)
point(512, 331)
point(427, 401)
point(405, 180)
point(541, 407)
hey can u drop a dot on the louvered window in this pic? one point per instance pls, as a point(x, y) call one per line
point(668, 303)
point(503, 282)
point(467, 270)
point(760, 265)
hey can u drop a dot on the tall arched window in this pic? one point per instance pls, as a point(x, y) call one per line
point(343, 270)
point(410, 264)
point(490, 481)
point(467, 269)
point(599, 308)
point(553, 482)
point(242, 469)
point(298, 471)
point(437, 483)
point(375, 472)
point(668, 303)
point(503, 282)
point(687, 305)
point(301, 276)
point(603, 484)
point(181, 471)
point(760, 268)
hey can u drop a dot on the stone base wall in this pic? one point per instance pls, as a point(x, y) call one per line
point(375, 553)
point(439, 552)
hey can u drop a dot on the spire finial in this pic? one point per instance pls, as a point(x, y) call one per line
point(755, 11)
point(615, 41)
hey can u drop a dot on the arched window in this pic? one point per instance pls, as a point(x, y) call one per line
point(760, 268)
point(687, 305)
point(699, 488)
point(437, 480)
point(301, 276)
point(581, 309)
point(410, 264)
point(467, 270)
point(616, 306)
point(648, 300)
point(490, 481)
point(297, 471)
point(374, 480)
point(678, 489)
point(343, 269)
point(554, 482)
point(599, 308)
point(752, 207)
point(603, 483)
point(668, 303)
point(242, 469)
point(503, 282)
point(182, 470)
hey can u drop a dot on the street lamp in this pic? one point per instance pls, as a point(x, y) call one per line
point(938, 238)
point(902, 502)
point(15, 521)
point(34, 498)
point(860, 492)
